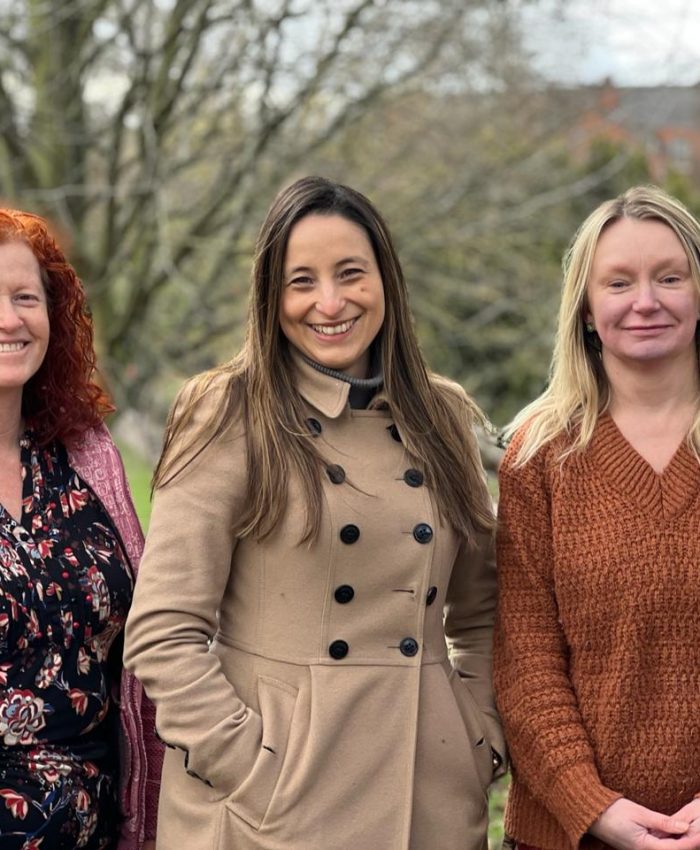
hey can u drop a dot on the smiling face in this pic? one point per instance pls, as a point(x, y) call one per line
point(641, 296)
point(24, 318)
point(332, 305)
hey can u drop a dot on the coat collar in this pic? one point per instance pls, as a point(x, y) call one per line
point(328, 395)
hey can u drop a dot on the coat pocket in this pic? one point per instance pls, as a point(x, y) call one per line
point(253, 796)
point(471, 715)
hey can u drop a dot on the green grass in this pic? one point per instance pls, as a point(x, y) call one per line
point(138, 472)
point(498, 794)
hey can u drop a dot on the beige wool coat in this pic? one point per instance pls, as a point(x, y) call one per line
point(304, 691)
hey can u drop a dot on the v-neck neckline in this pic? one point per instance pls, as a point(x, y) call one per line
point(668, 492)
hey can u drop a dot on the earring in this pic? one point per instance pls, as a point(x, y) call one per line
point(590, 327)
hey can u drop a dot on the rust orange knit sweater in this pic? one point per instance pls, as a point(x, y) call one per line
point(597, 647)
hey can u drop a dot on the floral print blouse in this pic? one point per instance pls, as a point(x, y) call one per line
point(65, 590)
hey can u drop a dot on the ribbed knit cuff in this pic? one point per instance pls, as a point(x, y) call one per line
point(580, 799)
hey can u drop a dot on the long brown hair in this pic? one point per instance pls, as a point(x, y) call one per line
point(435, 422)
point(62, 400)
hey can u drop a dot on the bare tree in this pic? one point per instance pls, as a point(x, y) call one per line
point(154, 132)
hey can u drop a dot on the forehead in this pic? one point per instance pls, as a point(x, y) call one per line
point(17, 262)
point(634, 241)
point(317, 237)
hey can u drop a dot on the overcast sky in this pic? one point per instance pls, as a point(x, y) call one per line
point(635, 42)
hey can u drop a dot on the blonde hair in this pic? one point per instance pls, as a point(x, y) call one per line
point(578, 390)
point(259, 388)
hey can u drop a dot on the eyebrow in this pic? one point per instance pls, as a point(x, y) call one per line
point(667, 262)
point(363, 260)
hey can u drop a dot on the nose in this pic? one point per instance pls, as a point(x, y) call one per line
point(9, 318)
point(330, 301)
point(646, 300)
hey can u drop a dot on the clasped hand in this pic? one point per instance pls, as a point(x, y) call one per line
point(628, 826)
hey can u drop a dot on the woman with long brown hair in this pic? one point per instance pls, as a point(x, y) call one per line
point(319, 505)
point(77, 743)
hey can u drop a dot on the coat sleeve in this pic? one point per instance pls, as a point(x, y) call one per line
point(470, 607)
point(469, 615)
point(173, 619)
point(548, 744)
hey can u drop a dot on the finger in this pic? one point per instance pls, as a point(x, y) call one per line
point(685, 842)
point(670, 825)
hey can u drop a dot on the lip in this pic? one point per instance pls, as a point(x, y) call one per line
point(643, 329)
point(328, 338)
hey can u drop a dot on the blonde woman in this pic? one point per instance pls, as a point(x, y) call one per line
point(319, 504)
point(597, 658)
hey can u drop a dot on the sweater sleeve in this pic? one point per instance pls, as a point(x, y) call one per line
point(173, 619)
point(548, 744)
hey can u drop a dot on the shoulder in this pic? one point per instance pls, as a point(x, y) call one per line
point(208, 406)
point(94, 449)
point(205, 394)
point(547, 458)
point(206, 418)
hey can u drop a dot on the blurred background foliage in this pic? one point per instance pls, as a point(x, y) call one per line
point(154, 134)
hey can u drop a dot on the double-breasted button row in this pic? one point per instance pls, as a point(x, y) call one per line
point(349, 534)
point(340, 648)
point(394, 431)
point(431, 595)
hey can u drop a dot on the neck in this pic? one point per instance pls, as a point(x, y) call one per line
point(649, 388)
point(10, 420)
point(363, 383)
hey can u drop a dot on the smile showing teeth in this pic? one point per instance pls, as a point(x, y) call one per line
point(9, 347)
point(332, 330)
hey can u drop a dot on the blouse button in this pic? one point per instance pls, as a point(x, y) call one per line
point(336, 473)
point(413, 477)
point(423, 533)
point(349, 534)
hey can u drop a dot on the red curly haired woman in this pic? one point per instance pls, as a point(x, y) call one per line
point(76, 735)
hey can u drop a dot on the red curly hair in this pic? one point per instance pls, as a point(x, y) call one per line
point(61, 401)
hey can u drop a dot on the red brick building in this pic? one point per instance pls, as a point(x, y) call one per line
point(661, 121)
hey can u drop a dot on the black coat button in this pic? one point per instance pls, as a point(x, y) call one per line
point(413, 477)
point(409, 647)
point(423, 533)
point(394, 431)
point(344, 594)
point(314, 426)
point(338, 649)
point(349, 534)
point(336, 473)
point(430, 598)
